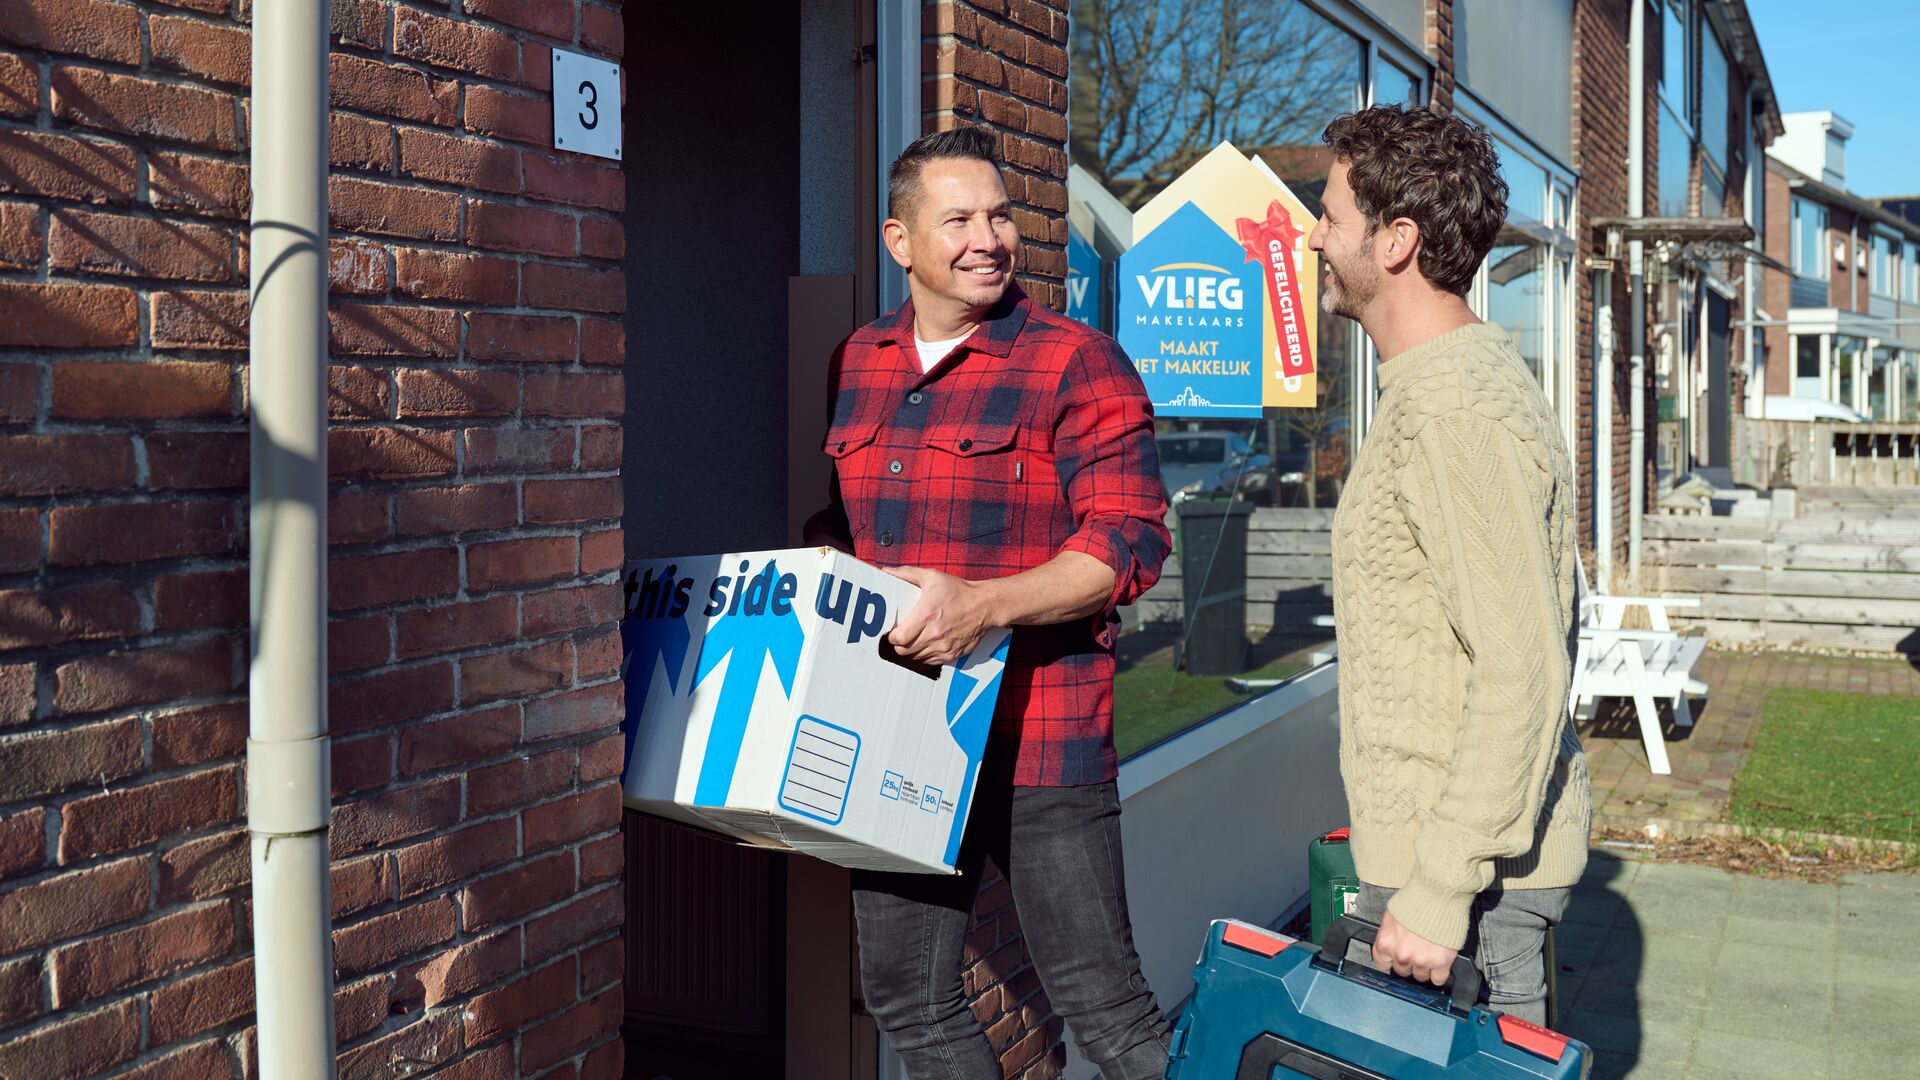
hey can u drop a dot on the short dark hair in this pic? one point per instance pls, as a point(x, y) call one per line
point(903, 176)
point(1431, 167)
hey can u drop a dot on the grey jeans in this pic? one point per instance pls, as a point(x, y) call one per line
point(1506, 936)
point(1060, 850)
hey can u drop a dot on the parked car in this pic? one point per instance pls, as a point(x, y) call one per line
point(1781, 407)
point(1214, 463)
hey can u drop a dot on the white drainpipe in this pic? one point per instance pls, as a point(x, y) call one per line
point(1636, 283)
point(1603, 338)
point(288, 785)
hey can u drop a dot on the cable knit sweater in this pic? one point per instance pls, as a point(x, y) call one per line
point(1453, 592)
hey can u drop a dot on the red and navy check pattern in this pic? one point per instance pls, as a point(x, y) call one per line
point(1033, 437)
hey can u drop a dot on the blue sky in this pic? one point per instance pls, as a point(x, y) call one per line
point(1851, 57)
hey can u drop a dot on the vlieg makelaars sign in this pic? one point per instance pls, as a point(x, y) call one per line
point(763, 702)
point(1216, 298)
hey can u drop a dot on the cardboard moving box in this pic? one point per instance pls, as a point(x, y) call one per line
point(763, 702)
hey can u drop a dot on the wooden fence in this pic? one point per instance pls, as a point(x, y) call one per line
point(1792, 453)
point(1289, 571)
point(1846, 581)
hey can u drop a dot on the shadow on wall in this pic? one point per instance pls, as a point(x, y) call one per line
point(1909, 647)
point(1600, 954)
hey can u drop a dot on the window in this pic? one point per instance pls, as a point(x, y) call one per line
point(1810, 239)
point(1156, 85)
point(1883, 265)
point(1675, 166)
point(1676, 56)
point(1526, 285)
point(1807, 380)
point(1910, 273)
point(1715, 89)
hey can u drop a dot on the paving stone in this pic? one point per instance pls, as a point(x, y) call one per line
point(1762, 1058)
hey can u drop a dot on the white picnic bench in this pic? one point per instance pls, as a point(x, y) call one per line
point(1646, 665)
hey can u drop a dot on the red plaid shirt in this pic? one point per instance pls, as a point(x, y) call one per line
point(1033, 437)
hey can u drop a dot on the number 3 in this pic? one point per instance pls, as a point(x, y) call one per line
point(593, 101)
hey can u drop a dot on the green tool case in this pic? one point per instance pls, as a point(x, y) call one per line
point(1333, 884)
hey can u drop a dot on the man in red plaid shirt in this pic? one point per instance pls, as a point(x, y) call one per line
point(1001, 457)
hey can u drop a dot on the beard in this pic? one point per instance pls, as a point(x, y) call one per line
point(1348, 294)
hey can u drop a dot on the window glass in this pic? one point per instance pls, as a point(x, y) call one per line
point(1910, 273)
point(1713, 191)
point(1676, 153)
point(1806, 367)
point(1673, 71)
point(1809, 239)
point(1516, 297)
point(1526, 186)
point(1879, 380)
point(1909, 387)
point(1397, 85)
point(1882, 265)
point(1847, 353)
point(1715, 77)
point(1155, 85)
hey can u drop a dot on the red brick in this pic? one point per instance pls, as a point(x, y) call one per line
point(20, 990)
point(60, 167)
point(580, 920)
point(559, 611)
point(501, 1012)
point(35, 465)
point(197, 460)
point(609, 1062)
point(204, 868)
point(359, 393)
point(31, 618)
point(512, 449)
point(446, 628)
point(509, 116)
point(602, 31)
point(551, 18)
point(465, 163)
point(18, 696)
point(601, 860)
point(462, 47)
point(571, 1031)
point(582, 711)
point(385, 209)
point(19, 391)
point(19, 544)
point(493, 1063)
point(207, 733)
point(521, 338)
point(200, 48)
point(71, 904)
point(19, 86)
point(511, 894)
point(90, 28)
point(453, 510)
point(361, 764)
point(389, 453)
point(200, 1002)
point(597, 655)
point(582, 396)
point(362, 23)
point(361, 883)
point(356, 268)
point(572, 288)
point(516, 672)
point(603, 759)
point(392, 330)
point(601, 965)
point(467, 739)
point(432, 1040)
point(443, 393)
point(572, 818)
point(396, 577)
point(383, 939)
point(200, 600)
point(144, 390)
point(137, 532)
point(80, 1046)
point(134, 817)
point(143, 676)
point(392, 816)
point(389, 697)
point(200, 1061)
point(519, 562)
point(603, 552)
point(518, 782)
point(20, 245)
point(602, 342)
point(574, 181)
point(357, 517)
point(602, 237)
point(47, 316)
point(441, 275)
point(444, 860)
point(23, 847)
point(359, 1008)
point(391, 90)
point(199, 320)
point(136, 106)
point(602, 446)
point(355, 142)
point(500, 227)
point(121, 961)
point(357, 644)
point(566, 502)
point(457, 971)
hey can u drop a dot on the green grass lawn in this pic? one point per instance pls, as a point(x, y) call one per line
point(1836, 763)
point(1152, 701)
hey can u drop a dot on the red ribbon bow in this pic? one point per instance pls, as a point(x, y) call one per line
point(1271, 242)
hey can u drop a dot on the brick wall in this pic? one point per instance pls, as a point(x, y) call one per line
point(1002, 65)
point(475, 443)
point(1777, 297)
point(1439, 49)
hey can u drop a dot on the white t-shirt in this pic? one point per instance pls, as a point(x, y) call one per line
point(932, 352)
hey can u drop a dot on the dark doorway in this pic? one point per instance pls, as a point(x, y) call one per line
point(1719, 388)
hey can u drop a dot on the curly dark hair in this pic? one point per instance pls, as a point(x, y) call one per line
point(1434, 168)
point(903, 176)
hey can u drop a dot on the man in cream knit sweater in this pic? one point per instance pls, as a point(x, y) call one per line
point(1453, 570)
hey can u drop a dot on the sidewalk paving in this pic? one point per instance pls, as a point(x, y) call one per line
point(1626, 794)
point(1682, 972)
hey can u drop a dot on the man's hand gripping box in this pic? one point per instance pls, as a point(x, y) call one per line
point(762, 703)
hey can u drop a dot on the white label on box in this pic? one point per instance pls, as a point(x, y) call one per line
point(819, 770)
point(586, 105)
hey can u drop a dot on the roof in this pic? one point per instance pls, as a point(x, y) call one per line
point(1749, 57)
point(1867, 208)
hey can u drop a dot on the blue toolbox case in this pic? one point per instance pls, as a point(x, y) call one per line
point(1266, 1006)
